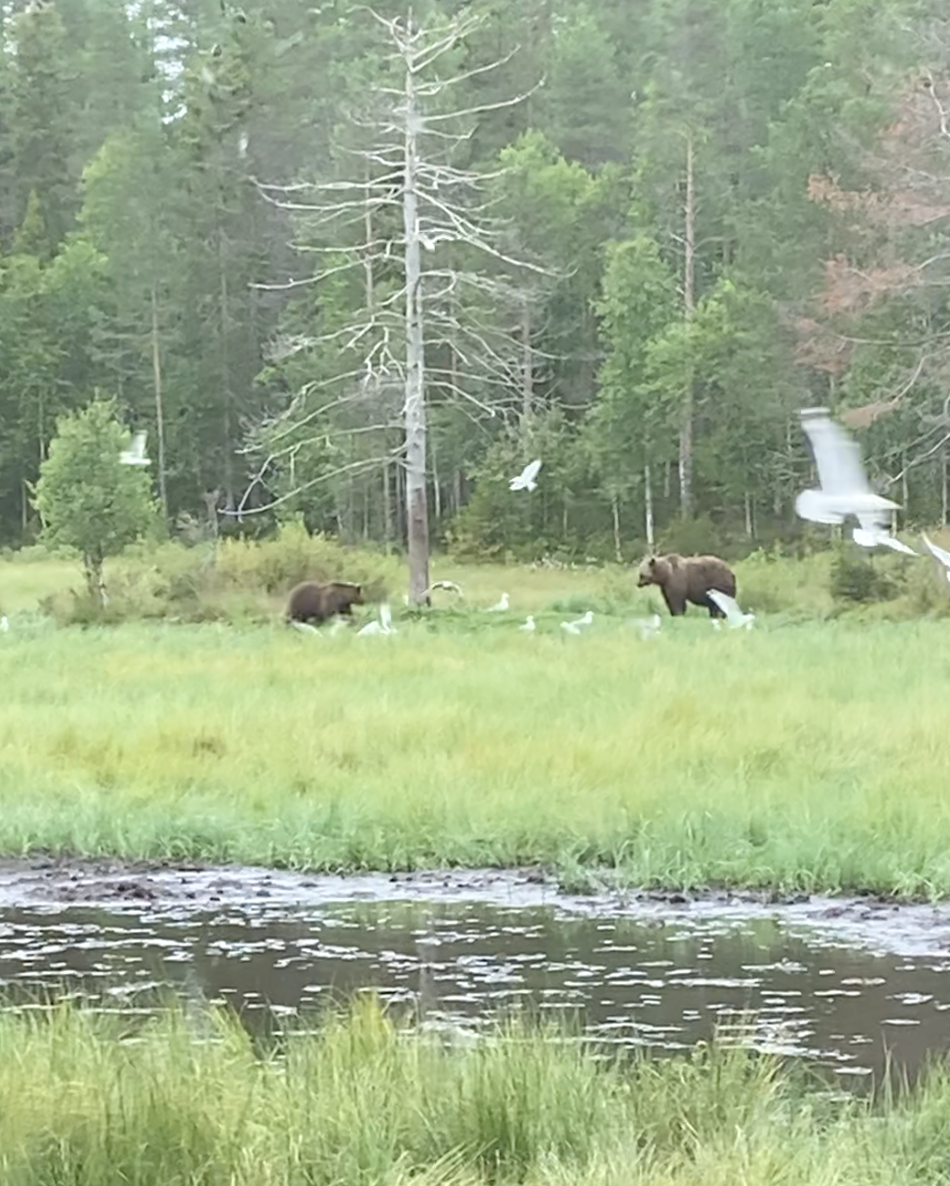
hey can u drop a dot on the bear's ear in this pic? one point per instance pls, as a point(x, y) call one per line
point(653, 562)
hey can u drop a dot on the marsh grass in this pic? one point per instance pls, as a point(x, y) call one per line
point(88, 1101)
point(808, 754)
point(797, 756)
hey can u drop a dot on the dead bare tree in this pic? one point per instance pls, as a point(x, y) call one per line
point(435, 289)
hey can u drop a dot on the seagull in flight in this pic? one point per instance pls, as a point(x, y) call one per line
point(940, 554)
point(735, 618)
point(135, 455)
point(845, 489)
point(526, 479)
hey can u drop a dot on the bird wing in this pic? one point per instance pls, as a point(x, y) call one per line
point(385, 616)
point(530, 471)
point(837, 457)
point(728, 605)
point(874, 522)
point(939, 553)
point(138, 444)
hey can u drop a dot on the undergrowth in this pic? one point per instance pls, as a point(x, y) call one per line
point(187, 1098)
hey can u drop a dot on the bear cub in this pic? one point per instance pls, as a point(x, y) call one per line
point(310, 602)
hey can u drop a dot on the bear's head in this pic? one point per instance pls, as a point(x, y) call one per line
point(653, 571)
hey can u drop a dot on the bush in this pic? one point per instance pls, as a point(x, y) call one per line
point(854, 577)
point(235, 579)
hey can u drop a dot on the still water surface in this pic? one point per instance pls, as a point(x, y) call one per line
point(659, 983)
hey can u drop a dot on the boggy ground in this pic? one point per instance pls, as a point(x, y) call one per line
point(886, 925)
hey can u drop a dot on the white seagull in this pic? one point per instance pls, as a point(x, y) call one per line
point(4, 624)
point(500, 605)
point(578, 624)
point(529, 626)
point(873, 534)
point(939, 553)
point(845, 489)
point(135, 455)
point(383, 626)
point(450, 586)
point(648, 626)
point(735, 618)
point(525, 480)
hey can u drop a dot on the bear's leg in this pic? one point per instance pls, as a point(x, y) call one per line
point(676, 605)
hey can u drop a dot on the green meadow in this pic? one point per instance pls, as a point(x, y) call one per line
point(88, 1101)
point(810, 753)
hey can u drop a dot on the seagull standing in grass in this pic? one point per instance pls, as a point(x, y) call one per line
point(648, 627)
point(526, 479)
point(735, 618)
point(939, 553)
point(529, 626)
point(383, 626)
point(135, 455)
point(578, 624)
point(500, 605)
point(845, 489)
point(4, 625)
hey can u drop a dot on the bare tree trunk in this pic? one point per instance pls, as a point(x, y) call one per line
point(95, 581)
point(417, 508)
point(436, 491)
point(648, 501)
point(749, 524)
point(689, 303)
point(905, 484)
point(527, 365)
point(387, 507)
point(225, 373)
point(943, 486)
point(159, 407)
point(615, 510)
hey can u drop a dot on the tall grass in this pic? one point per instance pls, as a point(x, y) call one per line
point(361, 1100)
point(803, 756)
point(807, 754)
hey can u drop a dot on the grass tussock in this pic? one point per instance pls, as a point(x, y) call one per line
point(362, 1100)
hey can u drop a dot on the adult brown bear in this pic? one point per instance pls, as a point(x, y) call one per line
point(688, 578)
point(310, 602)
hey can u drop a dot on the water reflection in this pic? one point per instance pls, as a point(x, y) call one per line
point(662, 985)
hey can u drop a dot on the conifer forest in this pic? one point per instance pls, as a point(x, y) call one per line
point(356, 263)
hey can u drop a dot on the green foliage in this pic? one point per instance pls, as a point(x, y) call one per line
point(88, 499)
point(135, 244)
point(364, 1098)
point(854, 577)
point(234, 580)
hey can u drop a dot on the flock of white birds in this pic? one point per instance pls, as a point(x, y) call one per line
point(843, 492)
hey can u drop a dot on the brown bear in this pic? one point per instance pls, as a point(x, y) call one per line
point(310, 602)
point(687, 578)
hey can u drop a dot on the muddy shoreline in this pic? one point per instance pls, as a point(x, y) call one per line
point(55, 883)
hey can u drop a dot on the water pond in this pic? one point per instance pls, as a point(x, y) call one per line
point(844, 985)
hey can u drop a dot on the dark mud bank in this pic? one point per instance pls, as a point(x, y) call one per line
point(45, 881)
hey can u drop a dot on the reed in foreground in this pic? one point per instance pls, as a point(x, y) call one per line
point(362, 1101)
